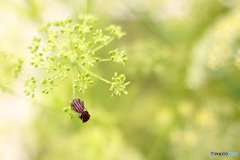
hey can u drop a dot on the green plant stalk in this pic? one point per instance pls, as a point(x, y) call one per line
point(101, 46)
point(104, 60)
point(56, 43)
point(53, 75)
point(73, 88)
point(93, 74)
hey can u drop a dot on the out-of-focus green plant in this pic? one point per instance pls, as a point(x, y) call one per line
point(218, 50)
point(10, 68)
point(225, 42)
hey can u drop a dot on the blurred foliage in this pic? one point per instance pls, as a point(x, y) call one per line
point(10, 68)
point(183, 101)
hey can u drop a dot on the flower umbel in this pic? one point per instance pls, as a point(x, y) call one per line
point(118, 85)
point(48, 85)
point(30, 86)
point(69, 48)
point(82, 82)
point(116, 31)
point(118, 57)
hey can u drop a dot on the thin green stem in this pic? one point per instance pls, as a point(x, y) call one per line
point(85, 11)
point(101, 46)
point(93, 74)
point(54, 75)
point(92, 46)
point(104, 60)
point(56, 43)
point(73, 87)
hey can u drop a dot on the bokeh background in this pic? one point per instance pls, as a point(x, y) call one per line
point(183, 101)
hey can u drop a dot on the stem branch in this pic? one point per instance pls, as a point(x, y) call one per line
point(73, 88)
point(101, 46)
point(93, 74)
point(104, 60)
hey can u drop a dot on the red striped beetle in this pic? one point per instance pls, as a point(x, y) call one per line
point(77, 105)
point(85, 116)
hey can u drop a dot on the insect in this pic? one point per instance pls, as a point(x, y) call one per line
point(77, 105)
point(85, 116)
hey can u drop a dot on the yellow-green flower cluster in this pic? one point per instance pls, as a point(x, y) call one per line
point(70, 47)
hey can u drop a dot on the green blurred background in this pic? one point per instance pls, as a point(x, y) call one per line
point(183, 101)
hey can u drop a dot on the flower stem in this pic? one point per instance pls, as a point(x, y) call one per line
point(73, 88)
point(104, 60)
point(93, 74)
point(101, 46)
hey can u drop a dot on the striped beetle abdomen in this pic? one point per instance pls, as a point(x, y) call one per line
point(85, 116)
point(77, 105)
